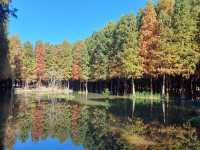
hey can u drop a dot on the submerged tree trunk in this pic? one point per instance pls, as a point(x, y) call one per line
point(133, 107)
point(163, 86)
point(133, 87)
point(164, 112)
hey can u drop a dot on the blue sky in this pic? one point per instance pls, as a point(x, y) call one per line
point(56, 20)
point(48, 144)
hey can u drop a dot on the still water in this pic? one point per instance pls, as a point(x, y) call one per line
point(30, 122)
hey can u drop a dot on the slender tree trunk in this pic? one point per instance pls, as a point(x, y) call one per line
point(80, 89)
point(133, 107)
point(151, 86)
point(111, 86)
point(68, 84)
point(133, 87)
point(164, 112)
point(182, 92)
point(86, 87)
point(26, 84)
point(191, 87)
point(163, 86)
point(96, 87)
point(117, 86)
point(125, 87)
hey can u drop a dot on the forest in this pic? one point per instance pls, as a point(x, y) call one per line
point(157, 51)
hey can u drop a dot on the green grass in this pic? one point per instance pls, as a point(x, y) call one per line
point(147, 95)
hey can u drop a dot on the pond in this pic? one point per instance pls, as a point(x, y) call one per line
point(33, 122)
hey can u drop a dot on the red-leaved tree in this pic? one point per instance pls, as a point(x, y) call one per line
point(76, 61)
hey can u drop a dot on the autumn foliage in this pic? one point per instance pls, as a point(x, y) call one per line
point(147, 39)
point(40, 63)
point(37, 117)
point(76, 67)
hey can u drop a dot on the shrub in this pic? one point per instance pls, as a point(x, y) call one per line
point(135, 126)
point(106, 93)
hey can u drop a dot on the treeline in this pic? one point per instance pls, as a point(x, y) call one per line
point(157, 50)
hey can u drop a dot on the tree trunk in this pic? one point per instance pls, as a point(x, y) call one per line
point(133, 87)
point(151, 86)
point(133, 107)
point(68, 84)
point(191, 87)
point(163, 86)
point(164, 112)
point(26, 84)
point(97, 91)
point(125, 87)
point(182, 92)
point(86, 88)
point(111, 86)
point(117, 86)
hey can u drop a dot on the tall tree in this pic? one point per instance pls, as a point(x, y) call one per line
point(85, 66)
point(76, 67)
point(67, 61)
point(195, 8)
point(28, 62)
point(126, 50)
point(148, 40)
point(16, 55)
point(139, 18)
point(40, 61)
point(99, 46)
point(165, 54)
point(5, 72)
point(184, 29)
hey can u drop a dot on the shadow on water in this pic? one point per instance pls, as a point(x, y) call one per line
point(6, 113)
point(171, 113)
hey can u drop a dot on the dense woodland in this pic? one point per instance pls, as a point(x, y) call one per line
point(157, 51)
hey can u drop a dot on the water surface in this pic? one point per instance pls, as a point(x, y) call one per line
point(42, 122)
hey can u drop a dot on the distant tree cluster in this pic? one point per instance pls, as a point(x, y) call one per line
point(162, 43)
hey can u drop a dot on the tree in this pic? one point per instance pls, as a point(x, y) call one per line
point(148, 41)
point(99, 46)
point(165, 54)
point(139, 18)
point(184, 29)
point(66, 63)
point(5, 11)
point(40, 61)
point(85, 66)
point(76, 67)
point(50, 66)
point(195, 8)
point(126, 49)
point(16, 55)
point(59, 62)
point(28, 62)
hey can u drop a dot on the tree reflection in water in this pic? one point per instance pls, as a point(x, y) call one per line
point(25, 119)
point(62, 120)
